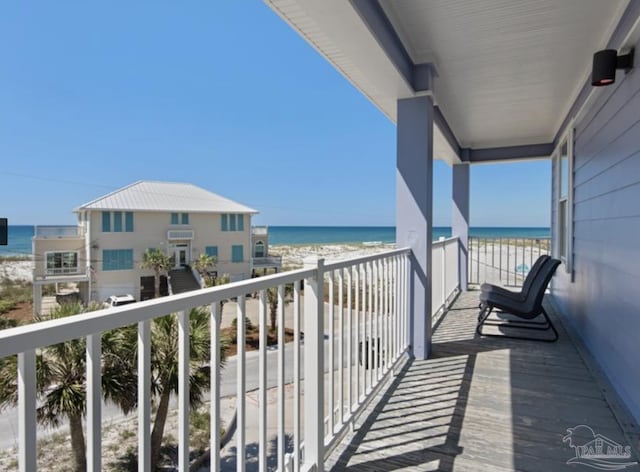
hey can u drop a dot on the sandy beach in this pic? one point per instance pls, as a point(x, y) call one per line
point(293, 255)
point(16, 270)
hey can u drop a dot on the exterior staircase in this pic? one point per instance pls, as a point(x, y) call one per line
point(182, 280)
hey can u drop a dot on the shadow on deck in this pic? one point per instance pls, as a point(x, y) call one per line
point(482, 404)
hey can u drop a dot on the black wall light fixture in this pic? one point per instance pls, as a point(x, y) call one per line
point(605, 63)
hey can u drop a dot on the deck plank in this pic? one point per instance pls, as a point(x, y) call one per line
point(480, 404)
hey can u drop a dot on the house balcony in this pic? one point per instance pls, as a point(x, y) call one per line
point(267, 262)
point(58, 232)
point(351, 396)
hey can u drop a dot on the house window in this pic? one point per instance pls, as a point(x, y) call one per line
point(117, 222)
point(564, 209)
point(231, 222)
point(117, 259)
point(61, 262)
point(259, 249)
point(128, 222)
point(237, 253)
point(106, 221)
point(179, 218)
point(211, 251)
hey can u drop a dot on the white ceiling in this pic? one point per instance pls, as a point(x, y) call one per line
point(509, 70)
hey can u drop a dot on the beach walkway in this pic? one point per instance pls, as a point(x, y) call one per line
point(483, 404)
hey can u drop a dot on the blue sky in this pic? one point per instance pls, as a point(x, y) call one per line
point(221, 94)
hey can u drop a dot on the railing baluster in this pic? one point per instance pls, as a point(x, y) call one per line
point(349, 342)
point(341, 347)
point(370, 327)
point(183, 391)
point(241, 387)
point(214, 324)
point(357, 349)
point(375, 315)
point(94, 402)
point(331, 352)
point(144, 396)
point(296, 377)
point(262, 381)
point(281, 445)
point(27, 410)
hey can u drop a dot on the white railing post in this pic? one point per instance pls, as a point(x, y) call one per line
point(27, 410)
point(94, 402)
point(183, 390)
point(314, 366)
point(144, 396)
point(215, 387)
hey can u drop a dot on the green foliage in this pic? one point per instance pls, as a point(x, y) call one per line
point(6, 306)
point(61, 383)
point(16, 291)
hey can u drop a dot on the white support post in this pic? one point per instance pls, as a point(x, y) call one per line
point(215, 388)
point(94, 402)
point(314, 366)
point(414, 209)
point(27, 410)
point(460, 220)
point(144, 396)
point(262, 379)
point(183, 391)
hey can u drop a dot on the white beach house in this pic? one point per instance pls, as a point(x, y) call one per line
point(103, 253)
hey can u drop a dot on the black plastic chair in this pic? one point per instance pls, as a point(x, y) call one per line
point(527, 309)
point(486, 288)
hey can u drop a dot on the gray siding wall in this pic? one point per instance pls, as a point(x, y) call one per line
point(603, 301)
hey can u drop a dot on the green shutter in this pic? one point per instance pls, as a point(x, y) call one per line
point(224, 223)
point(117, 259)
point(117, 221)
point(174, 218)
point(106, 221)
point(128, 222)
point(237, 254)
point(211, 251)
point(232, 222)
point(185, 218)
point(240, 222)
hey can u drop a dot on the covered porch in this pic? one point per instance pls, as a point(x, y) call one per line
point(487, 404)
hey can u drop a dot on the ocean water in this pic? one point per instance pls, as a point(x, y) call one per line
point(384, 234)
point(20, 236)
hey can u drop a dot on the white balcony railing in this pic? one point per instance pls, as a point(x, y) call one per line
point(57, 232)
point(504, 261)
point(445, 282)
point(364, 303)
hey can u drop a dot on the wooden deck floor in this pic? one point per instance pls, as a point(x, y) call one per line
point(482, 404)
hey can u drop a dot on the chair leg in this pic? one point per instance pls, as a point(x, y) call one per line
point(482, 320)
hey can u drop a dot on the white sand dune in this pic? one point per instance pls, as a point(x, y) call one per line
point(16, 270)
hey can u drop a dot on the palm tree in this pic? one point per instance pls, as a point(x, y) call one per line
point(272, 300)
point(203, 264)
point(61, 381)
point(164, 366)
point(157, 261)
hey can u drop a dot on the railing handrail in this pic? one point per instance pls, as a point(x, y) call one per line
point(364, 259)
point(65, 231)
point(445, 241)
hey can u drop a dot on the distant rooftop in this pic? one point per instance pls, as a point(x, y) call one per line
point(165, 196)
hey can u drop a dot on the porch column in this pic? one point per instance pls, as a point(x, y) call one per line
point(414, 201)
point(460, 219)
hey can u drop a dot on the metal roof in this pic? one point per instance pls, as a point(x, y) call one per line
point(167, 197)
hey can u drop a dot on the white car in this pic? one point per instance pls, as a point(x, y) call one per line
point(119, 300)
